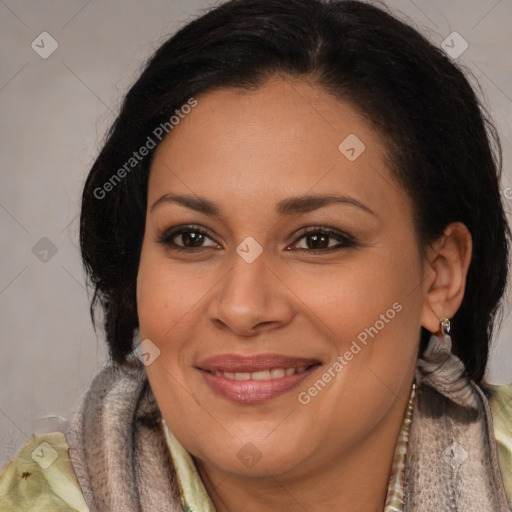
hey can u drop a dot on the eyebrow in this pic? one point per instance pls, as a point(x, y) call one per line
point(289, 206)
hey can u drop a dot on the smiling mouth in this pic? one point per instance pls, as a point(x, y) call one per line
point(253, 380)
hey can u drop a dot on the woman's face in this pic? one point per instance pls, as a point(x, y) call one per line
point(287, 324)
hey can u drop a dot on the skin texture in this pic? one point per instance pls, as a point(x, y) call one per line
point(247, 151)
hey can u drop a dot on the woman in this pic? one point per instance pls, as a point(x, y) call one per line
point(295, 233)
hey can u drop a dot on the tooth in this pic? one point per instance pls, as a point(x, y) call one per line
point(261, 375)
point(274, 373)
point(218, 373)
point(277, 373)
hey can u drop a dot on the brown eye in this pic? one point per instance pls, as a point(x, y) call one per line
point(191, 238)
point(186, 238)
point(319, 239)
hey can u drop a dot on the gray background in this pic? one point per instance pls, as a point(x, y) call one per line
point(53, 115)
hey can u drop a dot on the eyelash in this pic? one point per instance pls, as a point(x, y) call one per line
point(346, 240)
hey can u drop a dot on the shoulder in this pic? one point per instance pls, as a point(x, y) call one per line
point(41, 477)
point(500, 400)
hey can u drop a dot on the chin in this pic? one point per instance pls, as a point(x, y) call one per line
point(251, 462)
point(256, 456)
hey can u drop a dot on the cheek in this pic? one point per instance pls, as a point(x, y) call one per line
point(160, 298)
point(369, 310)
point(170, 302)
point(348, 297)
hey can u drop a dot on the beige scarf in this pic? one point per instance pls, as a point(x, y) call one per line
point(118, 448)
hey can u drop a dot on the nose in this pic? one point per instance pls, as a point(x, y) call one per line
point(251, 298)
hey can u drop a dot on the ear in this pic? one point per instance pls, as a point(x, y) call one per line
point(444, 276)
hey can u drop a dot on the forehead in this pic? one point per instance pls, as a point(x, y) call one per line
point(287, 137)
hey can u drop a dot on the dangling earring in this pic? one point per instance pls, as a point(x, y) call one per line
point(441, 369)
point(445, 325)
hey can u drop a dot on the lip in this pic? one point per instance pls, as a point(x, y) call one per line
point(254, 391)
point(237, 363)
